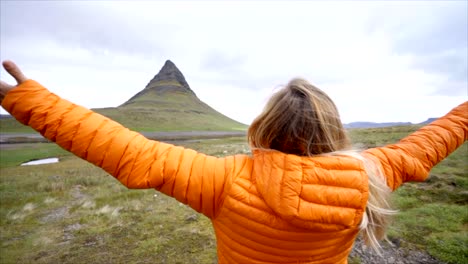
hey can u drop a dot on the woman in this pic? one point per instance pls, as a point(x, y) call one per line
point(302, 197)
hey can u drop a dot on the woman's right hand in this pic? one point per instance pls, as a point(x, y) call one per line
point(14, 71)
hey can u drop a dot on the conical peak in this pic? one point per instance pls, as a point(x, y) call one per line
point(169, 75)
point(168, 80)
point(169, 67)
point(168, 64)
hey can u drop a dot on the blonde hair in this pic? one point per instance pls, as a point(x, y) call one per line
point(377, 216)
point(301, 119)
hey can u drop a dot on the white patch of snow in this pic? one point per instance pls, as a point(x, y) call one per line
point(41, 161)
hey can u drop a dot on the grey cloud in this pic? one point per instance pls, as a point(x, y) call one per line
point(448, 30)
point(435, 34)
point(219, 61)
point(443, 47)
point(453, 64)
point(82, 24)
point(447, 48)
point(229, 67)
point(453, 89)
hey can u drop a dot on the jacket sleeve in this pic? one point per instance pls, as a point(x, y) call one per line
point(192, 178)
point(413, 157)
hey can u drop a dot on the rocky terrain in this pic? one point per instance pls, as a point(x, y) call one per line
point(391, 254)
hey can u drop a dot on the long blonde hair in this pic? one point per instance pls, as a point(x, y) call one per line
point(301, 119)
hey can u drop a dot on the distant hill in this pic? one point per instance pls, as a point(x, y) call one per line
point(168, 104)
point(374, 125)
point(429, 120)
point(387, 124)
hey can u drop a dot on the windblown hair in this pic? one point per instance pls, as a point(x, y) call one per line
point(378, 210)
point(301, 119)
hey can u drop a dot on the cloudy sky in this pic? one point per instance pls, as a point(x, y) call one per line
point(380, 61)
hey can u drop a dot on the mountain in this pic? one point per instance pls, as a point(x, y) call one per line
point(387, 124)
point(167, 103)
point(374, 125)
point(429, 120)
point(168, 80)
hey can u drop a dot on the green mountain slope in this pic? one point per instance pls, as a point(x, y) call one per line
point(168, 104)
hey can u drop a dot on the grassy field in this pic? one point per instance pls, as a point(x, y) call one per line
point(10, 125)
point(73, 212)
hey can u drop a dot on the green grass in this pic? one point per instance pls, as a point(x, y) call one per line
point(85, 216)
point(10, 125)
point(73, 212)
point(26, 152)
point(167, 83)
point(375, 137)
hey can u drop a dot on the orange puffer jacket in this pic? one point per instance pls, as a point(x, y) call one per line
point(267, 208)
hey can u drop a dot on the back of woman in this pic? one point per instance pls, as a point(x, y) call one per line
point(301, 197)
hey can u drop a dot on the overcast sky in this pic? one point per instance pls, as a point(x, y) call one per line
point(379, 61)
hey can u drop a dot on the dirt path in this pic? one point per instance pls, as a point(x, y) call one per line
point(60, 213)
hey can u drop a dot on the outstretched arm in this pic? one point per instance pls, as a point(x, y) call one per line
point(413, 157)
point(192, 178)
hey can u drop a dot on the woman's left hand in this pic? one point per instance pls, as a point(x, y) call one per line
point(14, 71)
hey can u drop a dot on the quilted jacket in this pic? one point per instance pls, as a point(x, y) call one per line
point(270, 207)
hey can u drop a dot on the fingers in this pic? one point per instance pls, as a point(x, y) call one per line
point(4, 89)
point(14, 71)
